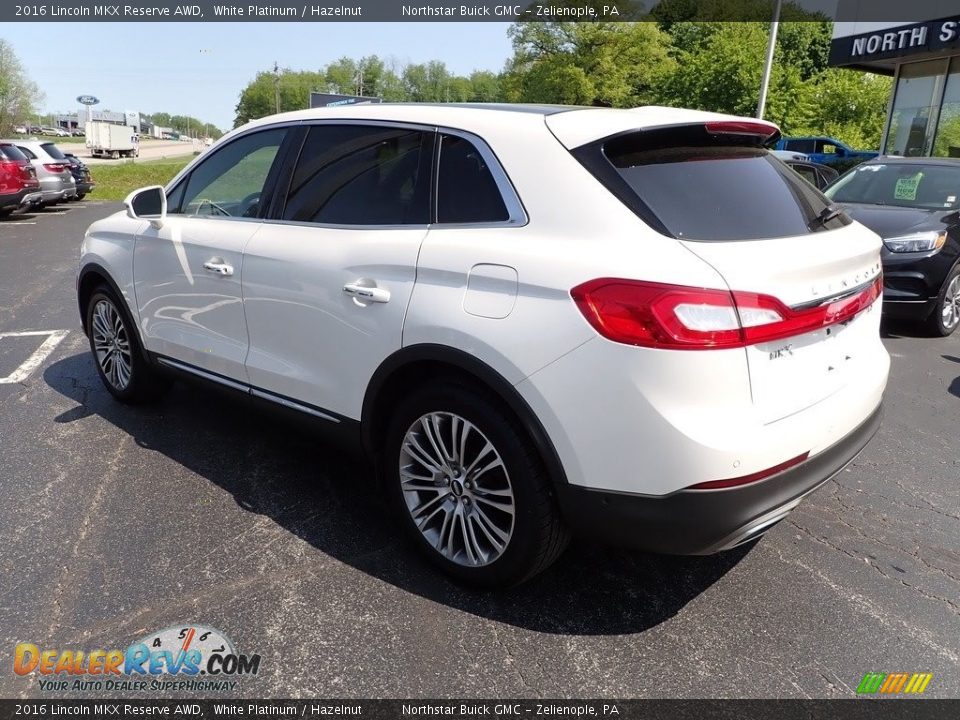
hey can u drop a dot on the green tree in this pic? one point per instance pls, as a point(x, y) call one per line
point(850, 106)
point(17, 92)
point(484, 86)
point(723, 73)
point(586, 63)
point(259, 97)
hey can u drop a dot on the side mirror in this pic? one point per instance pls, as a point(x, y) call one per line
point(149, 203)
point(841, 152)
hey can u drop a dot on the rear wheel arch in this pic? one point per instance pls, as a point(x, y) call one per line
point(421, 364)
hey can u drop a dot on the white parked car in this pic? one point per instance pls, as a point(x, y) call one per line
point(633, 324)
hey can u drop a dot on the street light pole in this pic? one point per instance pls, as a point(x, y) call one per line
point(768, 66)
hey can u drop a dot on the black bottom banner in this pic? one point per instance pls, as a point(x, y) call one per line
point(892, 709)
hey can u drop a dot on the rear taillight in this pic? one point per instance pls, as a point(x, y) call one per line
point(676, 317)
point(9, 168)
point(55, 167)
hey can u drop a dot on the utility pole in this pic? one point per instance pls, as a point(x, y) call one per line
point(360, 81)
point(276, 83)
point(768, 66)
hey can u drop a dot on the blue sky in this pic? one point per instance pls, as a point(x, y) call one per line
point(200, 69)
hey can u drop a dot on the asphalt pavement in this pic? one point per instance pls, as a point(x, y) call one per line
point(116, 522)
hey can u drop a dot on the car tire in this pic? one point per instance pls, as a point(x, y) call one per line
point(80, 197)
point(5, 212)
point(493, 528)
point(945, 318)
point(117, 353)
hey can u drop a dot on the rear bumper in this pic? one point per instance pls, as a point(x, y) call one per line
point(700, 522)
point(31, 198)
point(18, 199)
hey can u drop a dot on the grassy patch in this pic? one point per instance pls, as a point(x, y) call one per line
point(114, 182)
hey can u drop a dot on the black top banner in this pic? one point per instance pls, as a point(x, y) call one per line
point(454, 11)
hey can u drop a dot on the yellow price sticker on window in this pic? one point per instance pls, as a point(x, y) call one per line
point(906, 188)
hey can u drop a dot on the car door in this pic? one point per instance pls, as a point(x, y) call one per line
point(187, 273)
point(327, 281)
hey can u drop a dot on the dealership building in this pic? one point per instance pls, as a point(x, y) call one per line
point(923, 57)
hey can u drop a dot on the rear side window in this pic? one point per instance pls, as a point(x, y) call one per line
point(693, 185)
point(361, 175)
point(53, 151)
point(466, 189)
point(11, 152)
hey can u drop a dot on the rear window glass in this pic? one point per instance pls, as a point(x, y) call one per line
point(11, 152)
point(53, 151)
point(697, 186)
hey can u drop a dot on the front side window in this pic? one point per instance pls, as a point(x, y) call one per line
point(361, 175)
point(466, 189)
point(229, 183)
point(801, 146)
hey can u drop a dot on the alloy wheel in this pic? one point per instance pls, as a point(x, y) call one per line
point(111, 345)
point(457, 489)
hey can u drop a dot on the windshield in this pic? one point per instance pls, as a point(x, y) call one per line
point(928, 187)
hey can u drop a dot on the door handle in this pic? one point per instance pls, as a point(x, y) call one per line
point(368, 294)
point(218, 267)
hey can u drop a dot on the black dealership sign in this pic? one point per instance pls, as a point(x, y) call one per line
point(896, 42)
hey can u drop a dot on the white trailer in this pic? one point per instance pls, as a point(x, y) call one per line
point(115, 141)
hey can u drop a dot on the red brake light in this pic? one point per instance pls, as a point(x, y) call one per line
point(55, 167)
point(742, 127)
point(752, 478)
point(675, 317)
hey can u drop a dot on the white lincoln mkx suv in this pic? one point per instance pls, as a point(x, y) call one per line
point(636, 324)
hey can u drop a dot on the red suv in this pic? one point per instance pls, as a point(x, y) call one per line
point(18, 180)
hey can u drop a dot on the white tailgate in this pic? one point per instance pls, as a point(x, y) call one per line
point(789, 375)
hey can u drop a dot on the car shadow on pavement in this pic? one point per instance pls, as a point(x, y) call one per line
point(329, 499)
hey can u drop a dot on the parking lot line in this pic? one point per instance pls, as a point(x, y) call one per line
point(54, 338)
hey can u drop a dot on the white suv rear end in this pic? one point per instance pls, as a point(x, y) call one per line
point(634, 324)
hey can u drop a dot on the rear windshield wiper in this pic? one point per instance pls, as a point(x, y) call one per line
point(831, 212)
